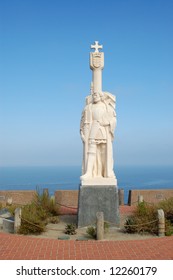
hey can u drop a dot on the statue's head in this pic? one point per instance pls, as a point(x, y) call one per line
point(97, 96)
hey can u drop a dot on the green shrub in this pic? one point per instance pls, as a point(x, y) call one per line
point(144, 220)
point(106, 227)
point(168, 228)
point(130, 225)
point(36, 215)
point(47, 203)
point(91, 231)
point(167, 206)
point(70, 229)
point(33, 219)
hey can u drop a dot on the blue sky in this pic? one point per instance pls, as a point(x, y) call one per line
point(45, 77)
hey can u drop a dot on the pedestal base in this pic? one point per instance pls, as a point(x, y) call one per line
point(93, 199)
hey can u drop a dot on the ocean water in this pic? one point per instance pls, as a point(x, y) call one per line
point(68, 178)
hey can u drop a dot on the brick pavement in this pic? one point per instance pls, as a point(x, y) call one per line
point(17, 247)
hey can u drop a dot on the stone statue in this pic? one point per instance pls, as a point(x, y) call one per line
point(97, 125)
point(98, 189)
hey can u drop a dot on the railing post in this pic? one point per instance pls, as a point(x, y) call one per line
point(17, 219)
point(140, 199)
point(121, 196)
point(99, 225)
point(161, 222)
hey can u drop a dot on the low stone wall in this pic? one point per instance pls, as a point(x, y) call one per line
point(67, 201)
point(150, 196)
point(17, 197)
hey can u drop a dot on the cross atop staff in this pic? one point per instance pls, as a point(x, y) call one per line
point(96, 46)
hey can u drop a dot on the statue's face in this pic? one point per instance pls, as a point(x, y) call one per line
point(96, 97)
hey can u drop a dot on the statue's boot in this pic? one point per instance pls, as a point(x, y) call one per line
point(90, 165)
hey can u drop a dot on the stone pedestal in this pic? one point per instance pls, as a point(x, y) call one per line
point(99, 198)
